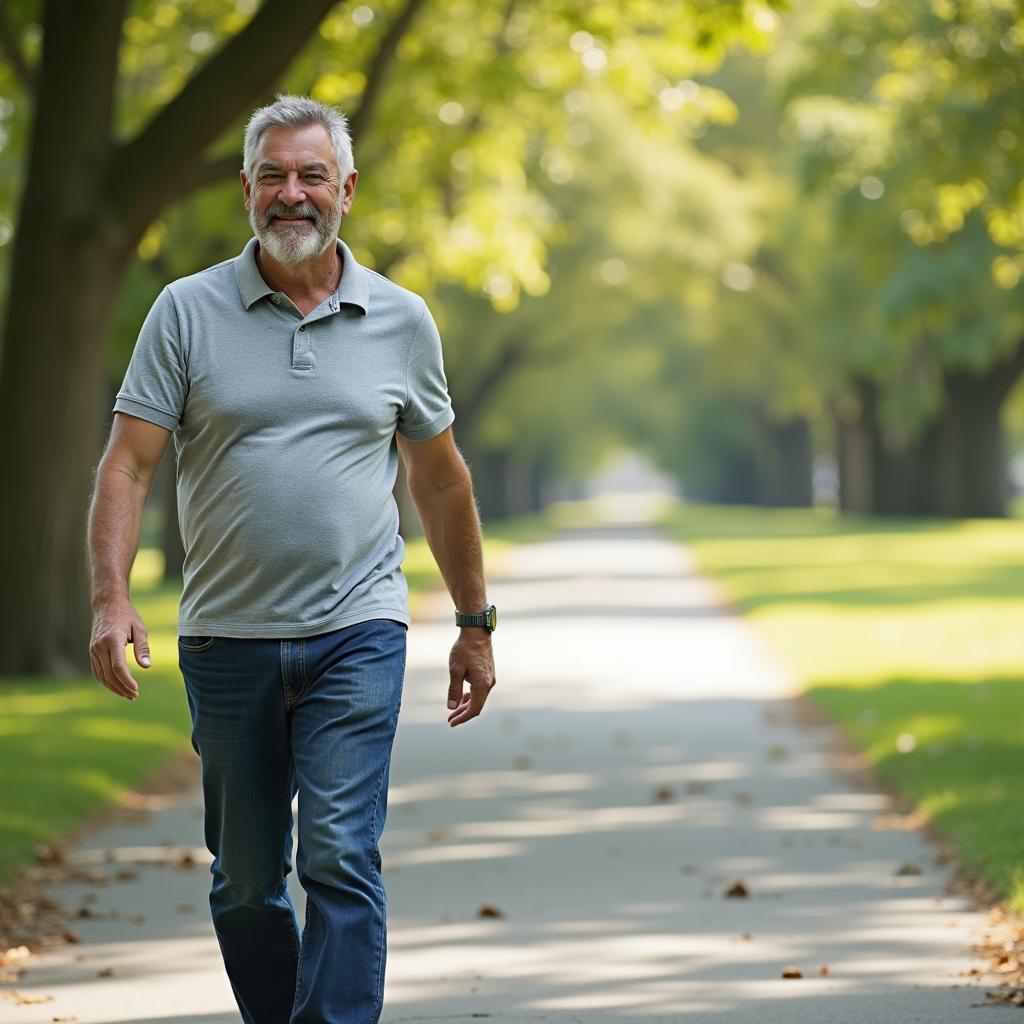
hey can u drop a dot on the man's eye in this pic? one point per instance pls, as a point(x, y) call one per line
point(314, 177)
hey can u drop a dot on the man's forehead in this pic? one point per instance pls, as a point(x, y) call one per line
point(299, 146)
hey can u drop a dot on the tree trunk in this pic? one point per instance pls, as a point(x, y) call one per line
point(853, 455)
point(975, 441)
point(785, 465)
point(68, 259)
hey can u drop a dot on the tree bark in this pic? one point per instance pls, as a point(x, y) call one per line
point(68, 257)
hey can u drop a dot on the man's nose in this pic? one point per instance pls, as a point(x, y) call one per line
point(291, 190)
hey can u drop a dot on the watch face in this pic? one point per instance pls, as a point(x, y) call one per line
point(492, 616)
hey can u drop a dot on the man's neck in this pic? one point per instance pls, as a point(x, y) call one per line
point(315, 277)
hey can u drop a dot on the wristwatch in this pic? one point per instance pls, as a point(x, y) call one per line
point(488, 618)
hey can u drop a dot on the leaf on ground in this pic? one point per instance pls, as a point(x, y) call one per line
point(48, 855)
point(489, 910)
point(435, 835)
point(24, 999)
point(186, 861)
point(743, 799)
point(663, 793)
point(105, 972)
point(522, 761)
point(69, 936)
point(777, 752)
point(823, 969)
point(127, 875)
point(737, 891)
point(909, 867)
point(792, 972)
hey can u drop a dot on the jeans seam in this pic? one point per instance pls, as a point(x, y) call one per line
point(284, 674)
point(375, 1014)
point(303, 680)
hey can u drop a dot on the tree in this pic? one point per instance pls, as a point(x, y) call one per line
point(908, 117)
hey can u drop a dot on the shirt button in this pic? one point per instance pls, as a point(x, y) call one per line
point(303, 327)
point(276, 300)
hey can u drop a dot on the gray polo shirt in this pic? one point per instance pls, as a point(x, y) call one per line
point(284, 430)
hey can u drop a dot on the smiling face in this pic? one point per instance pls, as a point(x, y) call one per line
point(296, 199)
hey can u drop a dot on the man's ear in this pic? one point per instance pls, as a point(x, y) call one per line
point(246, 191)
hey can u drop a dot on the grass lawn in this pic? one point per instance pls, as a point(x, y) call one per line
point(69, 746)
point(909, 632)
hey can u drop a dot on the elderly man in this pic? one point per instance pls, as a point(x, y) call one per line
point(291, 377)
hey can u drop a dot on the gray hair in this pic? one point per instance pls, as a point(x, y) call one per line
point(299, 112)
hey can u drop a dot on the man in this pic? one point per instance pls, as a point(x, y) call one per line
point(291, 378)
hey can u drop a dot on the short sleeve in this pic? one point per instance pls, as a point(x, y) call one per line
point(428, 406)
point(156, 383)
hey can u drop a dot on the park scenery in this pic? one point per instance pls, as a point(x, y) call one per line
point(731, 300)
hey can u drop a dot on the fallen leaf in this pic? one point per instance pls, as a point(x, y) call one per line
point(69, 936)
point(64, 1018)
point(777, 752)
point(489, 910)
point(824, 970)
point(23, 999)
point(105, 972)
point(522, 761)
point(49, 855)
point(435, 834)
point(186, 860)
point(737, 891)
point(792, 972)
point(909, 867)
point(663, 793)
point(743, 799)
point(127, 875)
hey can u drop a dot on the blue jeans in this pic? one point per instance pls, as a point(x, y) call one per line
point(314, 716)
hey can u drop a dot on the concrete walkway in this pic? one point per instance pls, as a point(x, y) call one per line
point(566, 857)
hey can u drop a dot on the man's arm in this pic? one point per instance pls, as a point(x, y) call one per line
point(442, 489)
point(124, 478)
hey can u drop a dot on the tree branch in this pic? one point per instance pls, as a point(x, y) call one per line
point(11, 46)
point(362, 117)
point(157, 160)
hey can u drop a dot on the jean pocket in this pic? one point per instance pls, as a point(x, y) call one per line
point(196, 643)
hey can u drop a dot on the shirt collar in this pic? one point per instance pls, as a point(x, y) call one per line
point(354, 289)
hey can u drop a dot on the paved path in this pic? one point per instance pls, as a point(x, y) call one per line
point(636, 760)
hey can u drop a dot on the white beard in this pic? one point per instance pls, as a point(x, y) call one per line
point(300, 243)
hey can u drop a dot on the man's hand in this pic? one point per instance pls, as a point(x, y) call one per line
point(116, 624)
point(473, 660)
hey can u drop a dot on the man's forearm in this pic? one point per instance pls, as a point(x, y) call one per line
point(452, 527)
point(115, 526)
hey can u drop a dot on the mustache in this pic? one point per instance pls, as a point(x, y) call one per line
point(280, 210)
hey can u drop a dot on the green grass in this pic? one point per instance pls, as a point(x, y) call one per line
point(69, 747)
point(911, 634)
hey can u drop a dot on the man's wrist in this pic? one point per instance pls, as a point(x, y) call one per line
point(486, 619)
